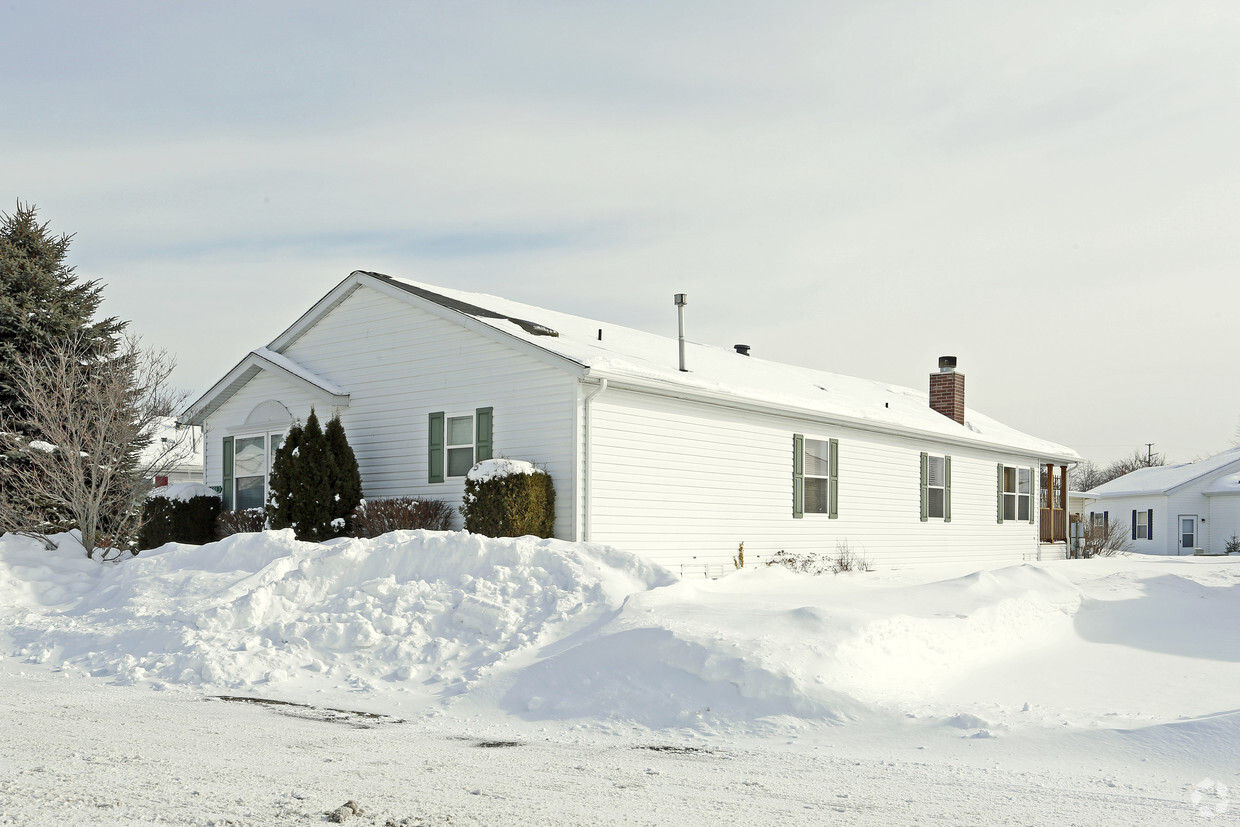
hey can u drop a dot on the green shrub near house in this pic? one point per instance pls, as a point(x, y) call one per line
point(172, 517)
point(509, 498)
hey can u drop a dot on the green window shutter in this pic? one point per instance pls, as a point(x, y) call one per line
point(1149, 524)
point(1134, 524)
point(947, 489)
point(482, 424)
point(833, 488)
point(798, 475)
point(999, 513)
point(434, 448)
point(925, 486)
point(227, 450)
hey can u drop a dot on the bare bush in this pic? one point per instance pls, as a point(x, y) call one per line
point(82, 445)
point(1104, 539)
point(241, 521)
point(848, 560)
point(375, 517)
point(810, 562)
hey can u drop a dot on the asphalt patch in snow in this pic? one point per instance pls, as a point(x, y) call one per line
point(351, 717)
point(680, 750)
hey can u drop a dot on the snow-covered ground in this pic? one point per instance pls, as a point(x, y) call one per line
point(449, 678)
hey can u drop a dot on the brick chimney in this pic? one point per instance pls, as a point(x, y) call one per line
point(947, 390)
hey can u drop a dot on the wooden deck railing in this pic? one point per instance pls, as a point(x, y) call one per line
point(1054, 525)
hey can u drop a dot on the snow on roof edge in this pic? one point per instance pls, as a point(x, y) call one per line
point(606, 357)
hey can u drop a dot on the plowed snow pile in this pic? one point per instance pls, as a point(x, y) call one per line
point(407, 609)
point(548, 630)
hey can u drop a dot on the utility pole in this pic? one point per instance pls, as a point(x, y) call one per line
point(1149, 454)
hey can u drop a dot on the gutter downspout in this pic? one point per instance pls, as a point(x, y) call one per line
point(587, 466)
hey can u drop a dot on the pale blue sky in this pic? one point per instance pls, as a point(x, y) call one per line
point(1048, 191)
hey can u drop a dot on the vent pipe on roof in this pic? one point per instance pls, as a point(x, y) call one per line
point(743, 350)
point(681, 301)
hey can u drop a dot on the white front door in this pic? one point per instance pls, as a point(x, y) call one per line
point(1188, 533)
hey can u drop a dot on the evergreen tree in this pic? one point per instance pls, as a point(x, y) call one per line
point(42, 304)
point(280, 484)
point(312, 495)
point(347, 483)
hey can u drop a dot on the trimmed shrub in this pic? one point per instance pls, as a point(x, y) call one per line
point(508, 498)
point(176, 520)
point(346, 478)
point(244, 521)
point(280, 481)
point(374, 517)
point(303, 474)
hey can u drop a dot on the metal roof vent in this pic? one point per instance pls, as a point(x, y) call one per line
point(743, 350)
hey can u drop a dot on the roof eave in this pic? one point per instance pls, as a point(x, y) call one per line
point(623, 382)
point(240, 375)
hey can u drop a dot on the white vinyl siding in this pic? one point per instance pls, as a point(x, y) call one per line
point(399, 365)
point(685, 483)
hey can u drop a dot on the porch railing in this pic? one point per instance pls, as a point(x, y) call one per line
point(1054, 525)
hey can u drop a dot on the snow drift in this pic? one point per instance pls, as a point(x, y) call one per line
point(417, 607)
point(549, 630)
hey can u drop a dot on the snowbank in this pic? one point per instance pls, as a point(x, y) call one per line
point(547, 630)
point(409, 608)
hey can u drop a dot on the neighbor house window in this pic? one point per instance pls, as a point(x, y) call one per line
point(456, 441)
point(1143, 526)
point(815, 476)
point(936, 491)
point(1015, 487)
point(247, 468)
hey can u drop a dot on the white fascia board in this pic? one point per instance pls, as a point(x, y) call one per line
point(247, 369)
point(723, 400)
point(575, 369)
point(321, 308)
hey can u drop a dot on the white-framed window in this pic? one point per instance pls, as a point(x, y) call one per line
point(1143, 526)
point(1017, 483)
point(936, 487)
point(815, 476)
point(817, 454)
point(459, 436)
point(457, 440)
point(252, 456)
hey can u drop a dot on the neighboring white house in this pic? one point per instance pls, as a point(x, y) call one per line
point(679, 465)
point(1175, 509)
point(177, 450)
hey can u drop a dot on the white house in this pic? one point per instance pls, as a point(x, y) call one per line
point(680, 465)
point(1175, 509)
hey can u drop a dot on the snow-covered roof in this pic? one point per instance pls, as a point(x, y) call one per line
point(596, 350)
point(617, 353)
point(180, 445)
point(1163, 478)
point(257, 360)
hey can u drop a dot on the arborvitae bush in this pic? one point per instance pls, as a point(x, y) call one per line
point(166, 520)
point(315, 483)
point(280, 482)
point(510, 505)
point(374, 517)
point(346, 482)
point(242, 521)
point(312, 497)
